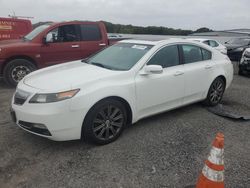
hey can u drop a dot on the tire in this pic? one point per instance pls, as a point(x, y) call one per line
point(16, 69)
point(215, 92)
point(240, 72)
point(102, 126)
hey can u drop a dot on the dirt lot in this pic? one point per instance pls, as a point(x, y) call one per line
point(166, 150)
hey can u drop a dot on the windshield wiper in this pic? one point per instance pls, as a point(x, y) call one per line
point(99, 65)
point(25, 39)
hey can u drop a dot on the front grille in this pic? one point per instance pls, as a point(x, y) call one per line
point(20, 97)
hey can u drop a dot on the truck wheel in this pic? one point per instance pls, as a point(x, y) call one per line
point(16, 69)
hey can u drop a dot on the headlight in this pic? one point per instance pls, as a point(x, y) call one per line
point(53, 97)
point(247, 53)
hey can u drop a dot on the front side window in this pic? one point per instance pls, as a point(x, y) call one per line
point(213, 43)
point(191, 53)
point(166, 57)
point(121, 56)
point(65, 33)
point(90, 32)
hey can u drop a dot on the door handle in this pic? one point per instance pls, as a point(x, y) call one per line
point(75, 46)
point(178, 73)
point(102, 44)
point(208, 66)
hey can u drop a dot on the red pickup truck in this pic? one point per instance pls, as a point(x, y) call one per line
point(50, 44)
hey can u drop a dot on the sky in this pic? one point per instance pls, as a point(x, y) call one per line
point(183, 14)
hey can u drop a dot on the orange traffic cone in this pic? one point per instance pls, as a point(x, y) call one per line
point(212, 175)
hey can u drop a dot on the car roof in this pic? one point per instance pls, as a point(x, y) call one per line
point(154, 43)
point(199, 39)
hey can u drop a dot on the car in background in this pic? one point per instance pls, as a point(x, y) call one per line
point(50, 44)
point(236, 47)
point(14, 28)
point(96, 98)
point(213, 43)
point(114, 36)
point(244, 65)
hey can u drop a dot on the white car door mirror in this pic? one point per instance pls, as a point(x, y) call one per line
point(152, 69)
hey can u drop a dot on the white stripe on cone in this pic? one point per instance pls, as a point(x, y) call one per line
point(213, 175)
point(216, 156)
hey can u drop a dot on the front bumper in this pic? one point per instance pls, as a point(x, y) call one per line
point(62, 122)
point(245, 65)
point(234, 55)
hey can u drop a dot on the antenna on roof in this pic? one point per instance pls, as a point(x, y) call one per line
point(16, 17)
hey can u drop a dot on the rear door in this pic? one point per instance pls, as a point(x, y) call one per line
point(63, 44)
point(198, 69)
point(92, 39)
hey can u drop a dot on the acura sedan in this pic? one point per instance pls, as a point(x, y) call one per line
point(96, 98)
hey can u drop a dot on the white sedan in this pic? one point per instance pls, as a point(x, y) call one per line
point(213, 43)
point(96, 98)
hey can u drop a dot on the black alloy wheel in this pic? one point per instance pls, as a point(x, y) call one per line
point(215, 92)
point(105, 122)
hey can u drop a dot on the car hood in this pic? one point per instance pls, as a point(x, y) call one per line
point(234, 46)
point(66, 76)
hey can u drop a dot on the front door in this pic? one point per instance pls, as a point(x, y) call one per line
point(62, 45)
point(159, 92)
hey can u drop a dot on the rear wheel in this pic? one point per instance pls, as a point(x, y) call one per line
point(215, 92)
point(16, 69)
point(105, 122)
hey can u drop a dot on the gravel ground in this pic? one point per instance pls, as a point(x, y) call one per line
point(167, 150)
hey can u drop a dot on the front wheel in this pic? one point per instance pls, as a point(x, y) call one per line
point(16, 69)
point(104, 122)
point(215, 92)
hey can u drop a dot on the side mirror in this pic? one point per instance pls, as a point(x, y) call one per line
point(152, 69)
point(48, 38)
point(44, 40)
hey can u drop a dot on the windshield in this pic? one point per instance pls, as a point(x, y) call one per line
point(35, 32)
point(122, 56)
point(240, 41)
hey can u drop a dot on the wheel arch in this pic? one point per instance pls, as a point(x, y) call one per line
point(18, 57)
point(223, 78)
point(120, 99)
point(220, 76)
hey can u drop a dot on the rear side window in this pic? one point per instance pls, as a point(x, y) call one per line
point(206, 42)
point(191, 53)
point(206, 54)
point(90, 32)
point(166, 57)
point(213, 43)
